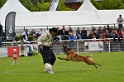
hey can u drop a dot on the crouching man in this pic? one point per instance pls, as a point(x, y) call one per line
point(45, 43)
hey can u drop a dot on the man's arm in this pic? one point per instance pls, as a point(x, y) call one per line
point(42, 38)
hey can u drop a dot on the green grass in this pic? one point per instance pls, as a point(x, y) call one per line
point(30, 69)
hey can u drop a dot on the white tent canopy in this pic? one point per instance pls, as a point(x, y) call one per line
point(36, 19)
point(9, 6)
point(57, 18)
point(86, 6)
point(13, 5)
point(110, 16)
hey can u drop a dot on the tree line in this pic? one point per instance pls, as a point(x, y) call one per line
point(43, 5)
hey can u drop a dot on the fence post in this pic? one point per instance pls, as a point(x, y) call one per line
point(109, 45)
point(77, 46)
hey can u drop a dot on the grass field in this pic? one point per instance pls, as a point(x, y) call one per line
point(30, 69)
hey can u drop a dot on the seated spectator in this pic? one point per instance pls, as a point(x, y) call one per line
point(41, 31)
point(56, 38)
point(65, 32)
point(70, 29)
point(114, 35)
point(99, 31)
point(84, 33)
point(93, 29)
point(78, 31)
point(108, 35)
point(32, 32)
point(102, 36)
point(104, 29)
point(109, 29)
point(64, 37)
point(35, 37)
point(96, 34)
point(91, 36)
point(71, 37)
point(63, 28)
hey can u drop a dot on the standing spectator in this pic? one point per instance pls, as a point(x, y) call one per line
point(3, 38)
point(84, 33)
point(109, 29)
point(59, 34)
point(45, 42)
point(25, 35)
point(120, 22)
point(1, 34)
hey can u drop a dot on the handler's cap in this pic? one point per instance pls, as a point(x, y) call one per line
point(54, 29)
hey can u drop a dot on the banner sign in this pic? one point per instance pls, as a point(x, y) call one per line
point(10, 26)
point(93, 46)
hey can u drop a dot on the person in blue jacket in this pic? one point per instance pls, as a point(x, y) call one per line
point(71, 38)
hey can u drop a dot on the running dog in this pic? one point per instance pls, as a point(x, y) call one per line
point(71, 55)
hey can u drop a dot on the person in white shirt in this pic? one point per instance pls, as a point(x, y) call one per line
point(45, 42)
point(120, 22)
point(25, 35)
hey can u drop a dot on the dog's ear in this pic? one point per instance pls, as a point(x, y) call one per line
point(68, 48)
point(64, 46)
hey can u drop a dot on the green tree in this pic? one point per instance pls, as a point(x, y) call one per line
point(118, 4)
point(44, 6)
point(97, 5)
point(62, 7)
point(112, 4)
point(28, 4)
point(2, 2)
point(108, 4)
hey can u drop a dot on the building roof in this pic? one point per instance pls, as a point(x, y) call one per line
point(71, 1)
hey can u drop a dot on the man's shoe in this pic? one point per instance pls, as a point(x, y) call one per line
point(50, 71)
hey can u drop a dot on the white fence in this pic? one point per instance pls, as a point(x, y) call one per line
point(79, 46)
point(91, 45)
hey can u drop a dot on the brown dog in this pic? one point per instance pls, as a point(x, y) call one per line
point(71, 55)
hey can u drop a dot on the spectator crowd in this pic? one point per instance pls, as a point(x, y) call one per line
point(80, 33)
